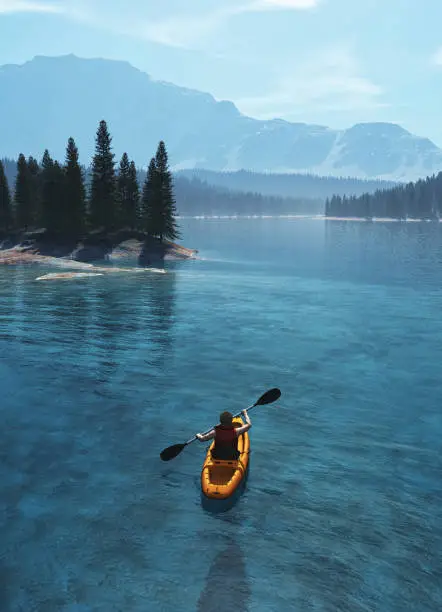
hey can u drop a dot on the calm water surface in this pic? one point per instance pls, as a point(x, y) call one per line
point(343, 508)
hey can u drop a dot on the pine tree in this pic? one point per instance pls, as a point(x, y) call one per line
point(128, 194)
point(23, 194)
point(52, 196)
point(158, 202)
point(151, 220)
point(166, 199)
point(61, 219)
point(122, 192)
point(102, 202)
point(35, 187)
point(47, 192)
point(74, 198)
point(5, 202)
point(133, 197)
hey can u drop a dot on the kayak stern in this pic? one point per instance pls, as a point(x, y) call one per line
point(221, 478)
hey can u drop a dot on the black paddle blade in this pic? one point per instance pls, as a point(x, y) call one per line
point(268, 397)
point(171, 452)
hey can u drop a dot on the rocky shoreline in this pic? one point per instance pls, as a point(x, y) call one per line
point(38, 248)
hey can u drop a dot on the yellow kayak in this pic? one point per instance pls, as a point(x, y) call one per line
point(221, 478)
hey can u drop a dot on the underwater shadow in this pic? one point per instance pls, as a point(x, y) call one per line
point(227, 584)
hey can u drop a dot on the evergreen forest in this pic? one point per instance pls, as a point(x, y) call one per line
point(419, 200)
point(56, 196)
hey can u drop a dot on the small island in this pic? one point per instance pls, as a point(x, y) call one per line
point(59, 211)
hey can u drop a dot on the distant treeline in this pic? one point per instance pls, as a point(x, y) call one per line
point(198, 197)
point(195, 197)
point(55, 196)
point(419, 200)
point(288, 185)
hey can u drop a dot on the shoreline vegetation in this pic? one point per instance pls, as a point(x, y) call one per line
point(317, 217)
point(51, 214)
point(420, 201)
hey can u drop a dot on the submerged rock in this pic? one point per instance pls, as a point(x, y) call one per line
point(67, 275)
point(97, 271)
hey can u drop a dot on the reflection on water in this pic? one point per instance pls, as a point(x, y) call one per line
point(103, 321)
point(67, 345)
point(159, 309)
point(13, 291)
point(227, 584)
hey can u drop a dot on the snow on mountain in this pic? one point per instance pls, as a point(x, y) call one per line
point(48, 99)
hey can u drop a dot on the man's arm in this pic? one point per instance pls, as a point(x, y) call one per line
point(246, 427)
point(204, 437)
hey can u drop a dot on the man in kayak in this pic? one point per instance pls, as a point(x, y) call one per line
point(226, 436)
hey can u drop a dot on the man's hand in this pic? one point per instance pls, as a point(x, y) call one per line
point(199, 436)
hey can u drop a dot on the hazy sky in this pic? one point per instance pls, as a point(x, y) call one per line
point(333, 62)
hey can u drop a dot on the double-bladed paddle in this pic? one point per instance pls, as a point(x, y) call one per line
point(173, 451)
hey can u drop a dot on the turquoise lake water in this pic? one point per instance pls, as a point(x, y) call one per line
point(343, 506)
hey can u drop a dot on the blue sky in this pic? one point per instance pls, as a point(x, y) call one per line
point(332, 62)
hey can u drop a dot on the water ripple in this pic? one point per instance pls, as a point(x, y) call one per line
point(342, 510)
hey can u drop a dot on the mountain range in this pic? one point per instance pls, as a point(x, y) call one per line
point(48, 99)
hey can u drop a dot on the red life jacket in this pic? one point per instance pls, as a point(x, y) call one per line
point(225, 437)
